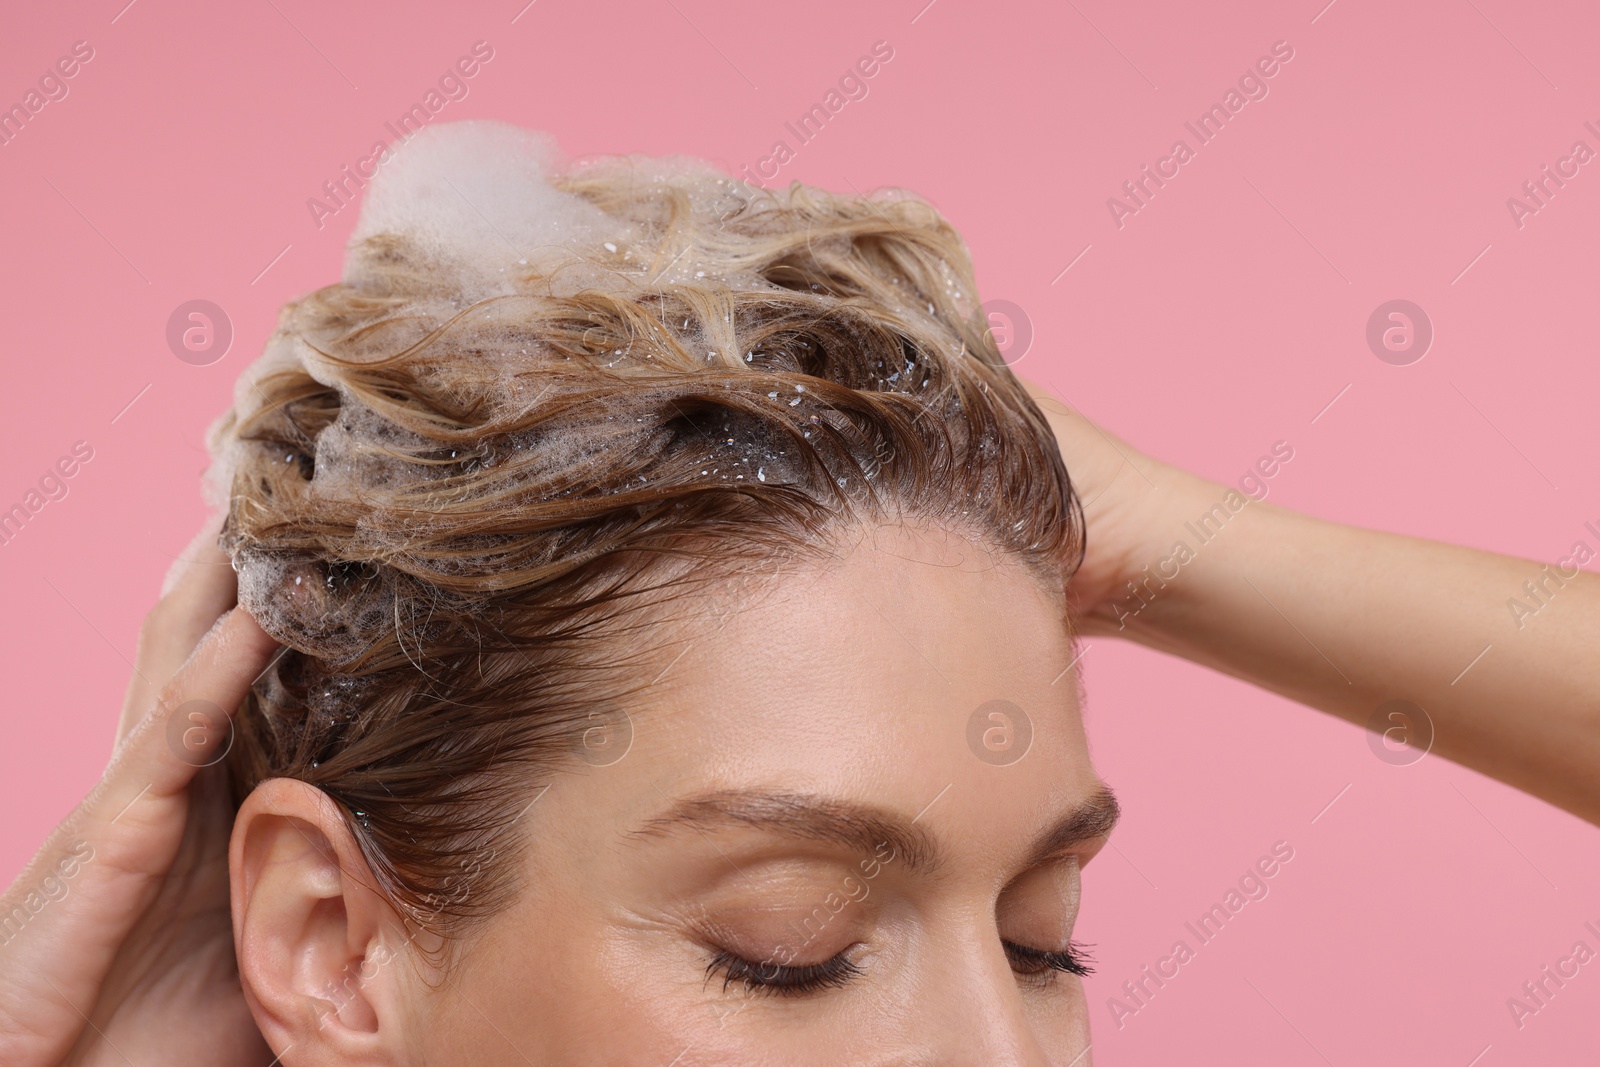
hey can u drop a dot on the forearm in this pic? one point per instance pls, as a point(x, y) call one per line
point(1345, 619)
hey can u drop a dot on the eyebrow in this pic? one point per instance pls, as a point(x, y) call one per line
point(864, 827)
point(1094, 818)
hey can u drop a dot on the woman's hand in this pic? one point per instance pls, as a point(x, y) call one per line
point(116, 943)
point(1132, 505)
point(1347, 620)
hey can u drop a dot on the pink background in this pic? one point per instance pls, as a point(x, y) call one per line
point(1222, 317)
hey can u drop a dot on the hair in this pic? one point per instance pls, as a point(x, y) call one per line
point(471, 520)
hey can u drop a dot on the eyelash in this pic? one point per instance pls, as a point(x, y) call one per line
point(780, 980)
point(1041, 964)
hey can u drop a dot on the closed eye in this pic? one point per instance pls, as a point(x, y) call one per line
point(782, 979)
point(775, 979)
point(1036, 962)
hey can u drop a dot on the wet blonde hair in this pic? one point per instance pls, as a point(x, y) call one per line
point(469, 517)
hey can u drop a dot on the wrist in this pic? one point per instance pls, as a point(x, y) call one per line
point(1179, 533)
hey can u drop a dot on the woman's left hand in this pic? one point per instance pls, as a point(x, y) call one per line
point(1133, 504)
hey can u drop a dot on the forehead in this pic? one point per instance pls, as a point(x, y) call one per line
point(911, 669)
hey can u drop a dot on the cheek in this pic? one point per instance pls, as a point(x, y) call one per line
point(579, 992)
point(1061, 1020)
point(561, 978)
point(574, 993)
point(552, 982)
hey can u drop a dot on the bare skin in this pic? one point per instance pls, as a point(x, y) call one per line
point(1403, 619)
point(1345, 619)
point(136, 960)
point(845, 685)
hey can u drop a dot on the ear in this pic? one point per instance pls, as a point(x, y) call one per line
point(323, 958)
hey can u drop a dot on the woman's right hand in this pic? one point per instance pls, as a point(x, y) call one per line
point(115, 940)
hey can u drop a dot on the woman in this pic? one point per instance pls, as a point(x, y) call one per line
point(678, 599)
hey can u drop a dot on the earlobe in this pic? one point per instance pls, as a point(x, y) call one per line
point(317, 944)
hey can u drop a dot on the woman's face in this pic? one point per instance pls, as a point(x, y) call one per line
point(848, 828)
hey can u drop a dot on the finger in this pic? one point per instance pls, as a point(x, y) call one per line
point(114, 849)
point(199, 587)
point(201, 549)
point(217, 674)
